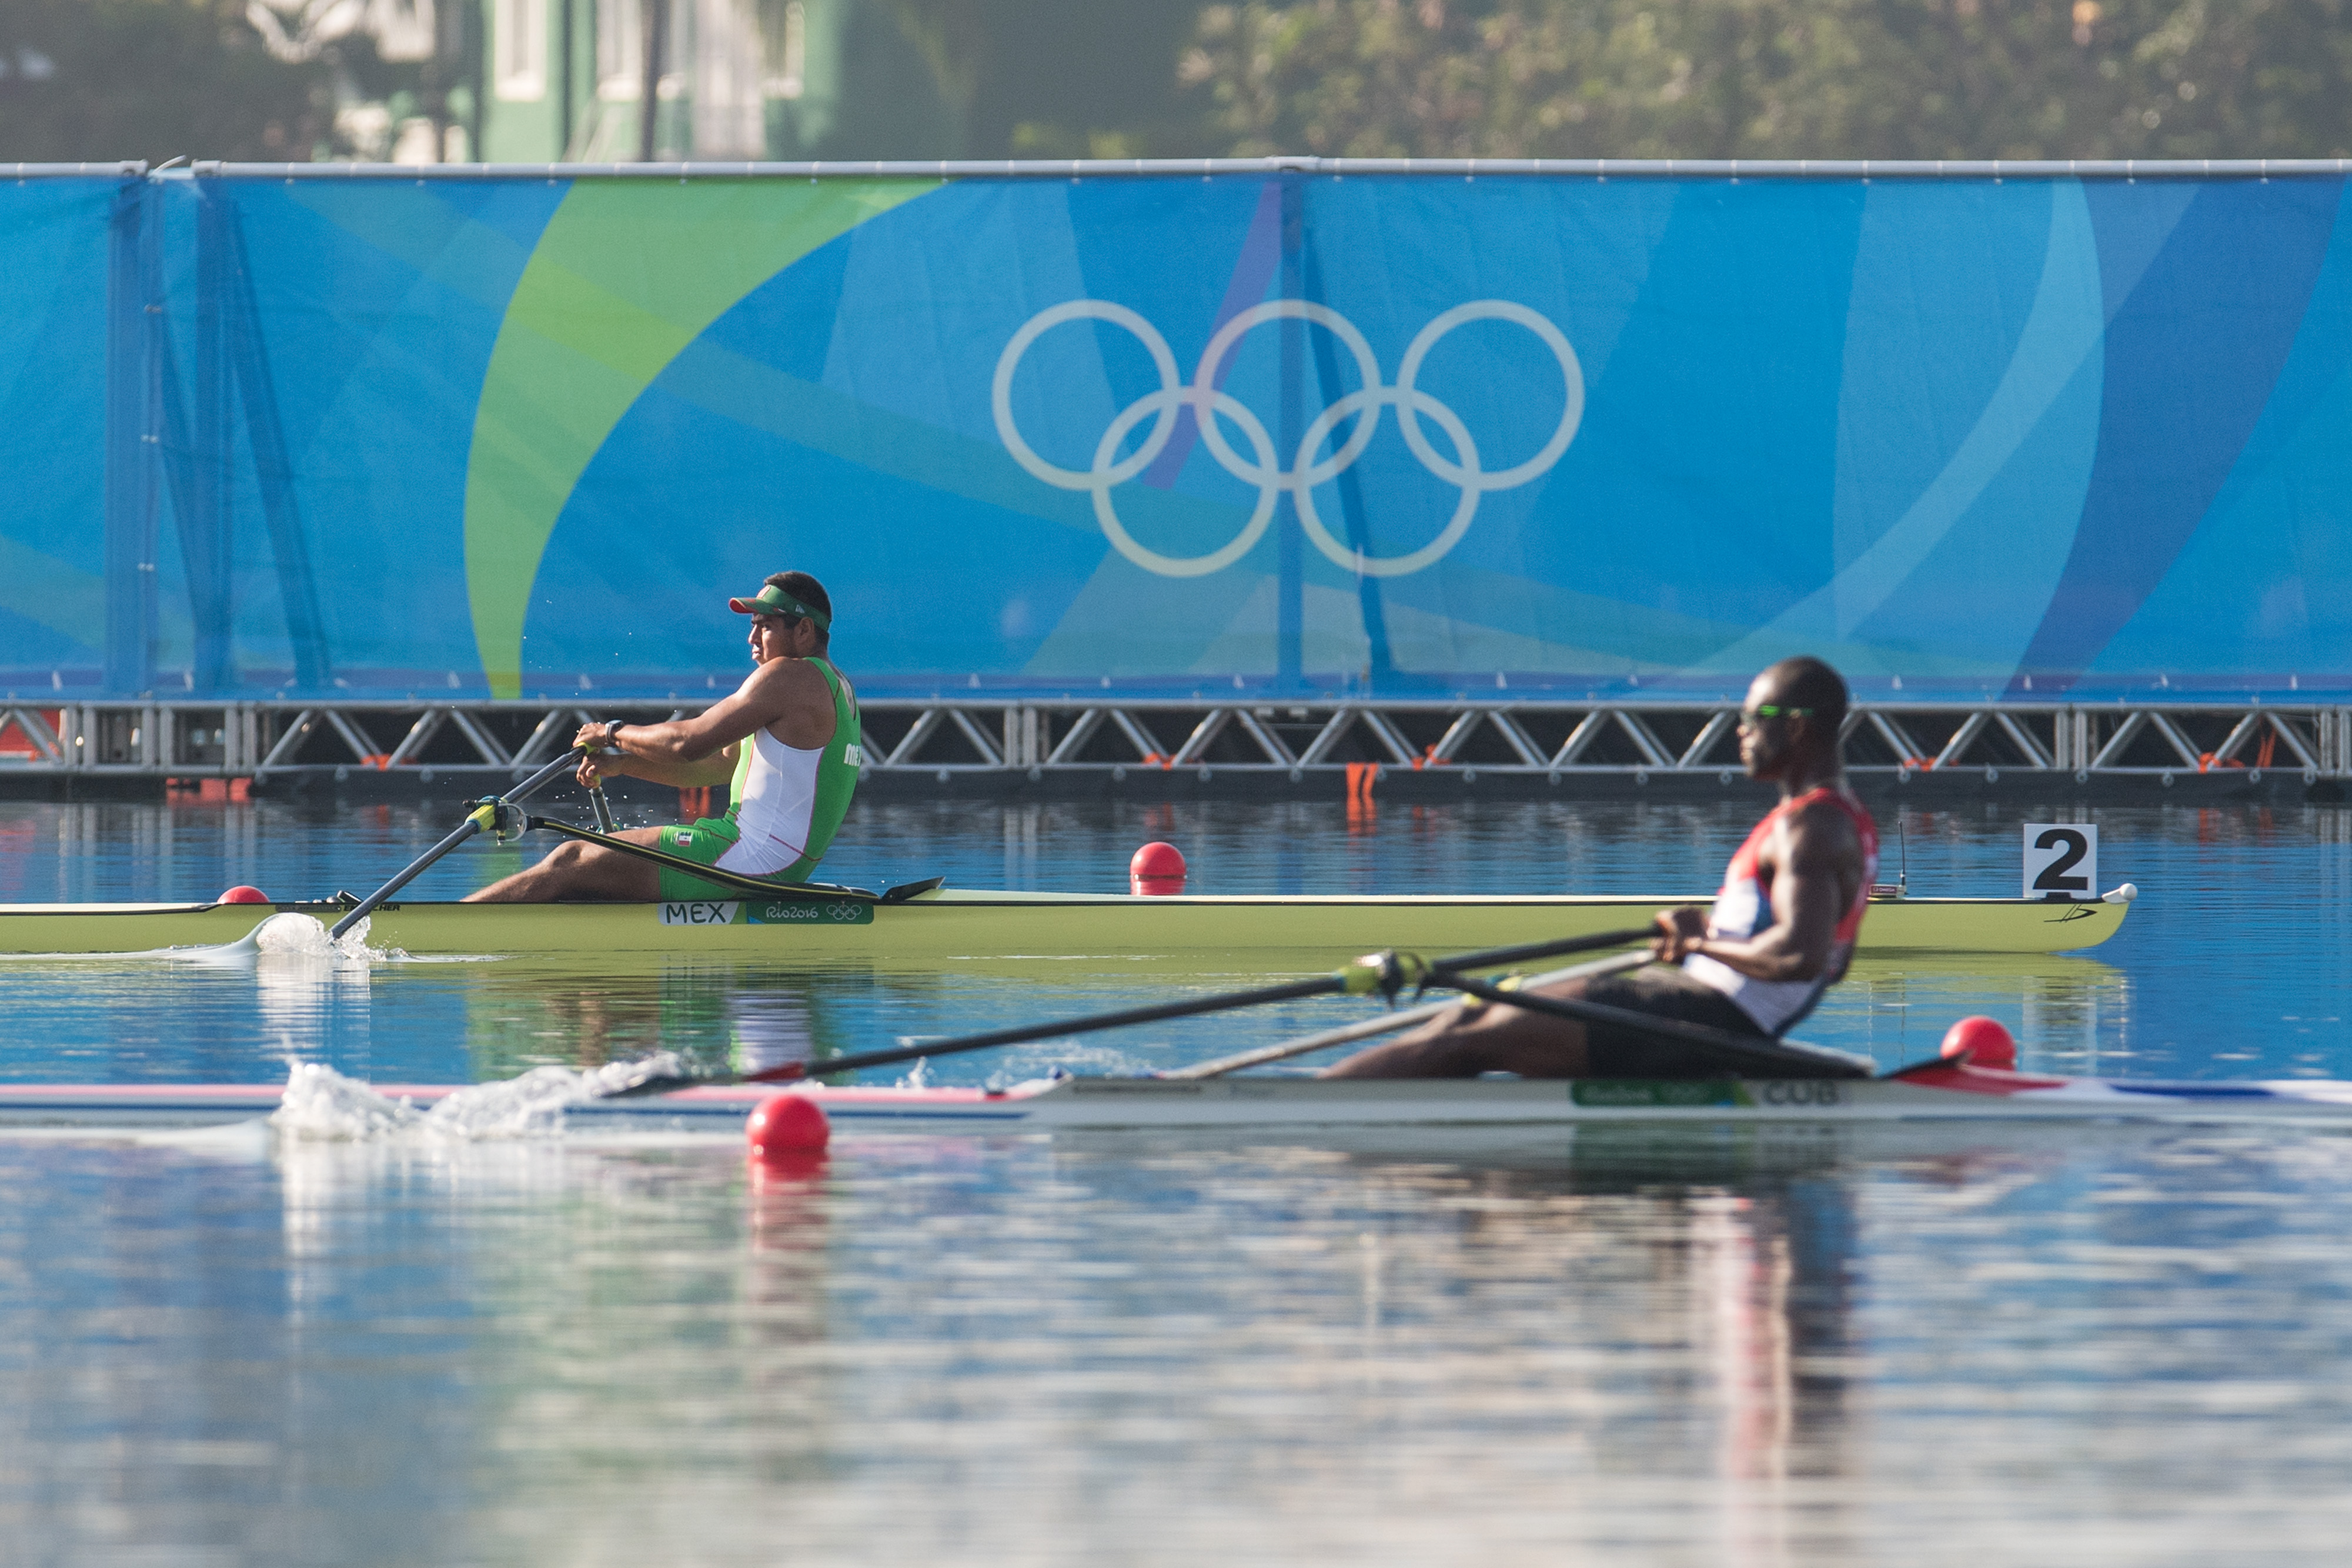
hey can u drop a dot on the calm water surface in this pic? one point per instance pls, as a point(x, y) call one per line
point(1793, 1346)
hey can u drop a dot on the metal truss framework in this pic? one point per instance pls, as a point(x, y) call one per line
point(1009, 740)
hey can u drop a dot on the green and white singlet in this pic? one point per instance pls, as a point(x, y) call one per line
point(784, 805)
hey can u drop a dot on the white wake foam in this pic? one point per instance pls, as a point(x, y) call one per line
point(321, 1103)
point(293, 934)
point(322, 1106)
point(292, 939)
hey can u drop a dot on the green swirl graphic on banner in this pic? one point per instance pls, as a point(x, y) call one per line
point(626, 274)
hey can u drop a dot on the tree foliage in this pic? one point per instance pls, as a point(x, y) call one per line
point(94, 80)
point(1781, 78)
point(1046, 78)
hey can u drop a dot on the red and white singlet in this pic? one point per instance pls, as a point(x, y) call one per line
point(1742, 909)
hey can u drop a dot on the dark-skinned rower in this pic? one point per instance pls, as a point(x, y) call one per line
point(1782, 932)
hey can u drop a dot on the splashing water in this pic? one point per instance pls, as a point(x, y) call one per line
point(321, 1103)
point(322, 1106)
point(296, 936)
point(292, 937)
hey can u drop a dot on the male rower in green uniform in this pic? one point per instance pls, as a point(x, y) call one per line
point(787, 743)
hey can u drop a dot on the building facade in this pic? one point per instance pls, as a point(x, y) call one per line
point(545, 81)
point(567, 80)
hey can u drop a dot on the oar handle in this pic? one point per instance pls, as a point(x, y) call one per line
point(482, 817)
point(602, 807)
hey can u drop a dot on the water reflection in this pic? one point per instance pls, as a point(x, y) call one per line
point(1769, 1345)
point(307, 1004)
point(2073, 1015)
point(2232, 964)
point(736, 1018)
point(435, 1023)
point(729, 1016)
point(1763, 1345)
point(187, 848)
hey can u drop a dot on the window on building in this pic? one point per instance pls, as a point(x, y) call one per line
point(791, 79)
point(519, 49)
point(620, 48)
point(403, 29)
point(732, 48)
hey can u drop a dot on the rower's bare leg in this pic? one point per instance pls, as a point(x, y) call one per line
point(1463, 1041)
point(578, 872)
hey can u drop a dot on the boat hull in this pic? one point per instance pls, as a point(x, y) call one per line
point(1113, 1104)
point(1268, 933)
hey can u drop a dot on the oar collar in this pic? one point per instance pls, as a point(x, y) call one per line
point(1385, 975)
point(501, 819)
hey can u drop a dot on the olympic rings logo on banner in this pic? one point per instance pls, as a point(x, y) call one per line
point(1212, 406)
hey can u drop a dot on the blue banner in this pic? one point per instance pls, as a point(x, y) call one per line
point(1392, 435)
point(58, 238)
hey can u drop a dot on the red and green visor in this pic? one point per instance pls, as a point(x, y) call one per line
point(774, 600)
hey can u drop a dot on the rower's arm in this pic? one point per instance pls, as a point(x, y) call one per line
point(1816, 875)
point(701, 750)
point(715, 768)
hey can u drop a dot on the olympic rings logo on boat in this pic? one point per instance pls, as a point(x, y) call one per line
point(1211, 407)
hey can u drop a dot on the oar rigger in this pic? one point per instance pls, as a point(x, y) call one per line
point(1385, 975)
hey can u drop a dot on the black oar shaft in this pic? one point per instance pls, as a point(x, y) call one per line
point(1385, 1023)
point(1321, 984)
point(566, 763)
point(366, 906)
point(747, 886)
point(1782, 1057)
point(1497, 957)
point(473, 825)
point(1387, 970)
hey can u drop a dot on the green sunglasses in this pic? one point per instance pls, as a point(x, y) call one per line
point(1774, 710)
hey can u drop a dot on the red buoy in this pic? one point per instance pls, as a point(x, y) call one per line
point(787, 1128)
point(241, 893)
point(1156, 868)
point(1980, 1042)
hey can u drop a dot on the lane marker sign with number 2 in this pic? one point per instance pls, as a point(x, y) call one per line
point(2062, 861)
